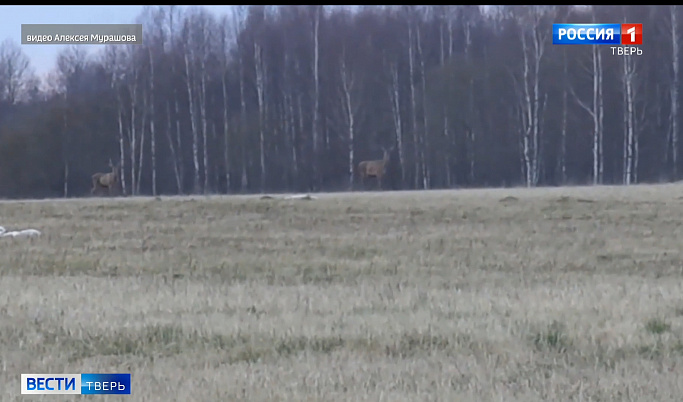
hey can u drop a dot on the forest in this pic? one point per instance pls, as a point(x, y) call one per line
point(293, 98)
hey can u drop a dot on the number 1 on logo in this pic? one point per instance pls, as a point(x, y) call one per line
point(631, 34)
point(632, 31)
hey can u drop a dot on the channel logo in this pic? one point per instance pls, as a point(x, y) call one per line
point(75, 384)
point(597, 34)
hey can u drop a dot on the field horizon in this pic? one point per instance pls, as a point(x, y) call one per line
point(515, 294)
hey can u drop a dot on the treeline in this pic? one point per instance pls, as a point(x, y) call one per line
point(292, 98)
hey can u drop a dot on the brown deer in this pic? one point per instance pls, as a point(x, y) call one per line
point(108, 181)
point(376, 169)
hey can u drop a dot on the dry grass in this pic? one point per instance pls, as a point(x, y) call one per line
point(489, 295)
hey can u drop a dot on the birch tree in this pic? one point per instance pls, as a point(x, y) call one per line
point(674, 88)
point(259, 65)
point(239, 19)
point(530, 96)
point(152, 131)
point(113, 59)
point(395, 99)
point(350, 106)
point(173, 123)
point(226, 44)
point(424, 138)
point(315, 123)
point(595, 109)
point(132, 79)
point(413, 103)
point(630, 149)
point(189, 85)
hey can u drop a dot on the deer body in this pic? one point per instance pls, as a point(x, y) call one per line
point(376, 168)
point(108, 181)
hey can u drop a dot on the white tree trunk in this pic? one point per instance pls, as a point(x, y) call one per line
point(174, 156)
point(469, 130)
point(444, 109)
point(152, 131)
point(260, 89)
point(675, 66)
point(143, 127)
point(629, 120)
point(531, 104)
point(65, 151)
point(177, 149)
point(291, 130)
point(316, 97)
point(115, 86)
point(348, 82)
point(122, 151)
point(562, 160)
point(394, 97)
point(226, 135)
point(424, 138)
point(244, 182)
point(536, 128)
point(202, 116)
point(600, 111)
point(193, 124)
point(413, 108)
point(132, 132)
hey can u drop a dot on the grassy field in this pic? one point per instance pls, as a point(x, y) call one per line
point(566, 294)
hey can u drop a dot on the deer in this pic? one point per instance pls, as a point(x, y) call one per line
point(107, 181)
point(376, 168)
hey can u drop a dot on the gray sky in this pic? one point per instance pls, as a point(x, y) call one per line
point(43, 57)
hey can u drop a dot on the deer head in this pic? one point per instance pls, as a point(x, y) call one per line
point(114, 170)
point(387, 153)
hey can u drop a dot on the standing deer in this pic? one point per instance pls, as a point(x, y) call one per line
point(375, 169)
point(108, 181)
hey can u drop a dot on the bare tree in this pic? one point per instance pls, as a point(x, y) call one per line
point(189, 82)
point(175, 142)
point(531, 100)
point(395, 99)
point(132, 79)
point(15, 72)
point(70, 64)
point(674, 88)
point(143, 121)
point(317, 13)
point(630, 134)
point(152, 131)
point(424, 138)
point(259, 65)
point(226, 39)
point(413, 103)
point(595, 110)
point(156, 16)
point(350, 106)
point(445, 53)
point(239, 23)
point(113, 59)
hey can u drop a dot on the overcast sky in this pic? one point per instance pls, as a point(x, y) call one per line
point(43, 57)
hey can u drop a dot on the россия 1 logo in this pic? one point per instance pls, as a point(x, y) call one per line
point(598, 34)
